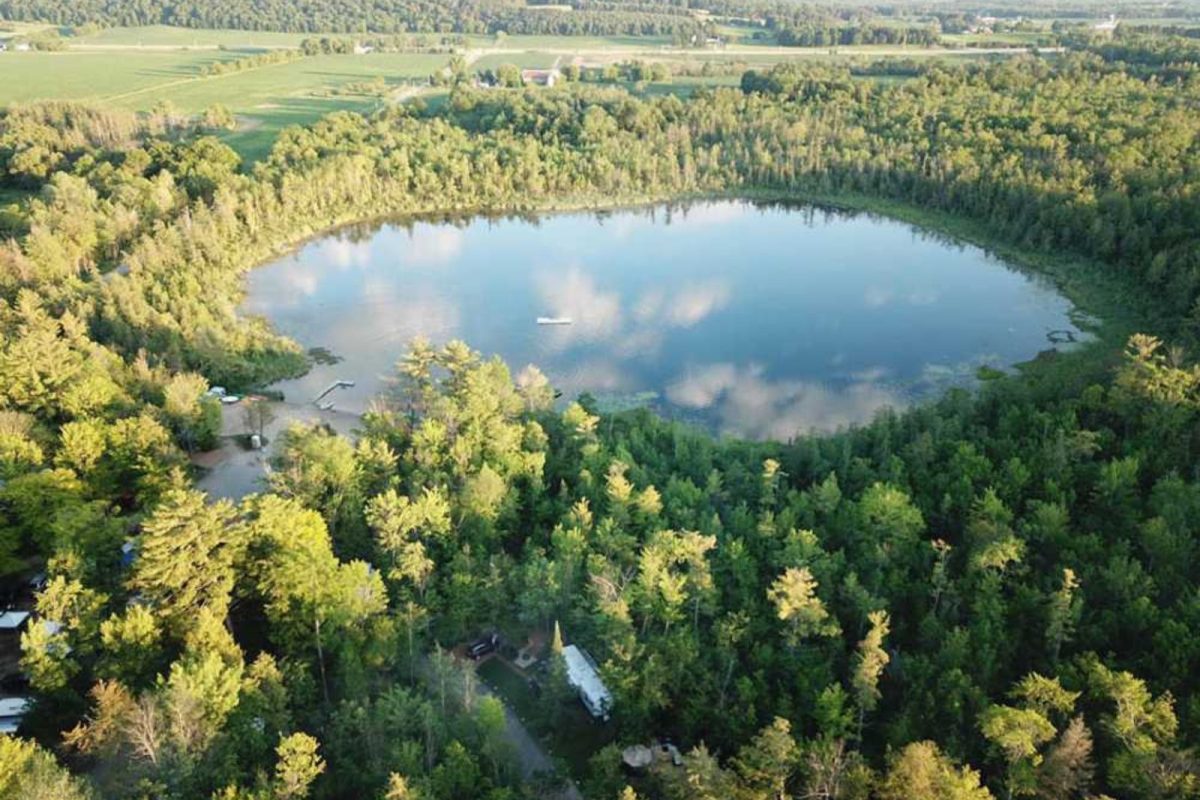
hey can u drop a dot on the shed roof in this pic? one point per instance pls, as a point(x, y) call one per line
point(12, 620)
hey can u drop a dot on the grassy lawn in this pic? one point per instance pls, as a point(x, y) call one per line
point(257, 134)
point(574, 742)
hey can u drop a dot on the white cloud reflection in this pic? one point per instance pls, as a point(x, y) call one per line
point(389, 314)
point(599, 314)
point(433, 245)
point(596, 314)
point(744, 401)
point(685, 307)
point(344, 254)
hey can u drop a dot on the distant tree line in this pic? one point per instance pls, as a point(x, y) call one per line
point(266, 59)
point(816, 35)
point(381, 16)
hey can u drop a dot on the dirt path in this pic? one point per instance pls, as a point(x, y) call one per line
point(530, 754)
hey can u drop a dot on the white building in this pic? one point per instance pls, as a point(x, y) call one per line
point(584, 676)
point(12, 711)
point(13, 621)
point(540, 77)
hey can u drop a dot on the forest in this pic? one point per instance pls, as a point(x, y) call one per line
point(990, 596)
point(613, 17)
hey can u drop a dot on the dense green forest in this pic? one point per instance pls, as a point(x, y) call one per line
point(993, 595)
point(638, 18)
point(810, 23)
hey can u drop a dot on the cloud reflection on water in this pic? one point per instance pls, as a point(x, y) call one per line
point(433, 245)
point(746, 402)
point(792, 322)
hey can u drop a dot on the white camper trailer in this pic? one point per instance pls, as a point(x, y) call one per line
point(584, 676)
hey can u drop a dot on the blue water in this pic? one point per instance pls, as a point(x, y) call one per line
point(761, 321)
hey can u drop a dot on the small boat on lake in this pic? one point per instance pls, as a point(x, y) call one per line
point(554, 320)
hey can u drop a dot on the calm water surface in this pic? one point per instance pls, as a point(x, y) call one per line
point(754, 320)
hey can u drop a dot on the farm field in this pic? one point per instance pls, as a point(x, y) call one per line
point(527, 60)
point(137, 68)
point(96, 76)
point(165, 36)
point(265, 99)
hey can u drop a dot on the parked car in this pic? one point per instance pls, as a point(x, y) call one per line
point(484, 645)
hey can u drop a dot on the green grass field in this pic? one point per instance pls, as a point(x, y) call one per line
point(526, 60)
point(96, 77)
point(163, 36)
point(1021, 39)
point(265, 100)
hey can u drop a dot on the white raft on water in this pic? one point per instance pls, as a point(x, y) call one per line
point(553, 320)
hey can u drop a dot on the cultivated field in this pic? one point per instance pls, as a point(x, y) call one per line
point(265, 99)
point(163, 36)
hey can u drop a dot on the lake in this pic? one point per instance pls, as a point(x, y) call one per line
point(753, 320)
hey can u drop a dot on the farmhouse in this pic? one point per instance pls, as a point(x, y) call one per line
point(540, 77)
point(584, 676)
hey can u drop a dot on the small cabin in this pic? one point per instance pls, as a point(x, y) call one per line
point(584, 677)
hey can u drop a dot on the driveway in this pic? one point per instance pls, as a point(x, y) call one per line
point(532, 757)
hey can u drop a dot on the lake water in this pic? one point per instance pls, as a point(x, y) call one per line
point(761, 321)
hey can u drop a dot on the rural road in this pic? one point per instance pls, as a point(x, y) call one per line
point(472, 55)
